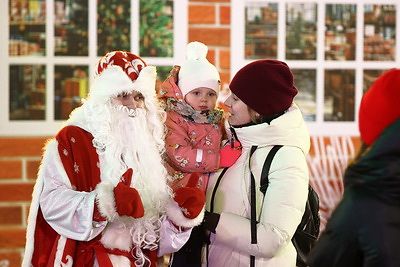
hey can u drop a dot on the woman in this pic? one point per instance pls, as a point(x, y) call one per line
point(262, 114)
point(364, 230)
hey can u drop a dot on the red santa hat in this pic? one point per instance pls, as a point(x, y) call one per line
point(119, 72)
point(379, 106)
point(266, 86)
point(197, 71)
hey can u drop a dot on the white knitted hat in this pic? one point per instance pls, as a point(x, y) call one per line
point(197, 71)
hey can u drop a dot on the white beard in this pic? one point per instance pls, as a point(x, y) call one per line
point(125, 139)
point(131, 144)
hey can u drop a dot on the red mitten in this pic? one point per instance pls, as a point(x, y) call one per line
point(127, 199)
point(229, 154)
point(190, 198)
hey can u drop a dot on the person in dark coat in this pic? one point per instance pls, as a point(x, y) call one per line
point(364, 229)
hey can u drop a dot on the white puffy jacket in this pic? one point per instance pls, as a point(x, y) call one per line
point(279, 213)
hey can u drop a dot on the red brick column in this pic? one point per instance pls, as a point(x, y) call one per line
point(209, 23)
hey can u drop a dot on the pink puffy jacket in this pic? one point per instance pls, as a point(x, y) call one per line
point(191, 146)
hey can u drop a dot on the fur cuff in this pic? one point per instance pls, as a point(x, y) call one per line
point(105, 200)
point(112, 81)
point(146, 82)
point(175, 214)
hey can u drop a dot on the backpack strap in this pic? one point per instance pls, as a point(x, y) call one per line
point(306, 239)
point(253, 212)
point(263, 184)
point(212, 203)
point(267, 165)
point(215, 188)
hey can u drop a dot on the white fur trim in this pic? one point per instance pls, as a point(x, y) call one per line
point(146, 82)
point(117, 235)
point(119, 260)
point(60, 252)
point(50, 149)
point(105, 200)
point(175, 214)
point(111, 81)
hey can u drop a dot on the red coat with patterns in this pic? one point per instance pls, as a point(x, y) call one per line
point(81, 163)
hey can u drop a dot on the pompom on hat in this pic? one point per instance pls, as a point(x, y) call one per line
point(119, 72)
point(266, 86)
point(197, 71)
point(379, 106)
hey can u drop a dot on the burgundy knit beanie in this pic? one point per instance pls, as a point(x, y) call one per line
point(379, 106)
point(266, 86)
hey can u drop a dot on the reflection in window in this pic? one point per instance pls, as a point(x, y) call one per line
point(301, 31)
point(261, 30)
point(156, 28)
point(369, 78)
point(71, 85)
point(305, 82)
point(339, 95)
point(340, 34)
point(71, 28)
point(27, 28)
point(113, 26)
point(379, 32)
point(27, 92)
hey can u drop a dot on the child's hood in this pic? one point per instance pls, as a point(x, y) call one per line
point(170, 89)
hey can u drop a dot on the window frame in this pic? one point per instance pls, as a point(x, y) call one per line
point(49, 126)
point(319, 126)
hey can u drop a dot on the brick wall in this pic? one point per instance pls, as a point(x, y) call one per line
point(19, 162)
point(209, 23)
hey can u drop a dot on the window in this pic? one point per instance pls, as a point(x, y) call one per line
point(336, 50)
point(53, 47)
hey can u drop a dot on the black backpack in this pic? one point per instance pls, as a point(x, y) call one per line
point(307, 232)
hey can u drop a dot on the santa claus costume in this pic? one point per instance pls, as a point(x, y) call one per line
point(101, 197)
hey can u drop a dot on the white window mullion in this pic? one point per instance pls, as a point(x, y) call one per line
point(50, 92)
point(49, 114)
point(359, 59)
point(360, 33)
point(92, 34)
point(320, 95)
point(398, 34)
point(180, 34)
point(281, 55)
point(320, 75)
point(237, 39)
point(321, 33)
point(135, 24)
point(49, 30)
point(5, 71)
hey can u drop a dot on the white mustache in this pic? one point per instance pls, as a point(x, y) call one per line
point(129, 111)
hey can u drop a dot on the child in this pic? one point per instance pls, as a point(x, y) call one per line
point(194, 123)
